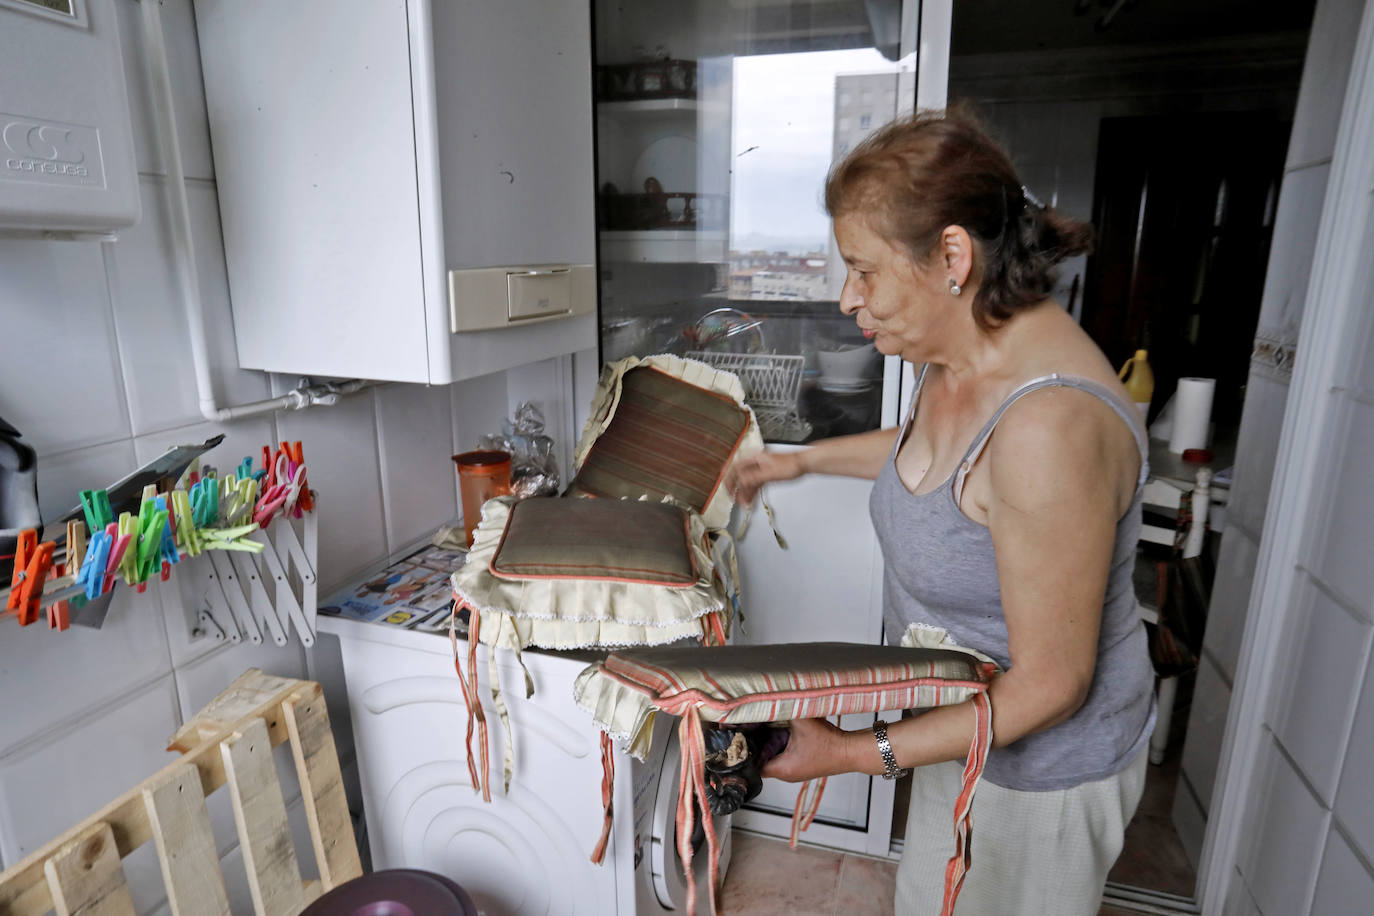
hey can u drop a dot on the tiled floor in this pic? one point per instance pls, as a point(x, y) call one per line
point(768, 879)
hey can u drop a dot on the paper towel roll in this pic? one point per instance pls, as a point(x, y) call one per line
point(1192, 413)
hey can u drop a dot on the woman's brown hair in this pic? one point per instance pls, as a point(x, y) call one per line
point(917, 175)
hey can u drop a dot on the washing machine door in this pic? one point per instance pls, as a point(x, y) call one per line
point(665, 866)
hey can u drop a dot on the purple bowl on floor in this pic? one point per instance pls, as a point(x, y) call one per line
point(395, 892)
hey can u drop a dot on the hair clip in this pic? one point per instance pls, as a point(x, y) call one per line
point(1031, 199)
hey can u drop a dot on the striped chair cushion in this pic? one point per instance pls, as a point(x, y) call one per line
point(669, 427)
point(748, 684)
point(773, 683)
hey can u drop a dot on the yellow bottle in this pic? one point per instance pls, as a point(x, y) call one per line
point(1139, 381)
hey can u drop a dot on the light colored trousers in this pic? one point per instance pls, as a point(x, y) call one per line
point(1034, 853)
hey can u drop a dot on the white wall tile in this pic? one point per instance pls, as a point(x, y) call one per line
point(1206, 724)
point(1320, 680)
point(340, 444)
point(1230, 599)
point(62, 477)
point(60, 380)
point(415, 426)
point(1284, 842)
point(188, 92)
point(479, 407)
point(548, 385)
point(154, 339)
point(1344, 884)
point(62, 674)
point(1294, 241)
point(1256, 449)
point(51, 786)
point(1354, 800)
point(1325, 72)
point(1341, 556)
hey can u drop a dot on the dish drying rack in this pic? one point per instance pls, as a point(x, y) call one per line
point(771, 383)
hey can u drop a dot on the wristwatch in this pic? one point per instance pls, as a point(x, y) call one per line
point(885, 748)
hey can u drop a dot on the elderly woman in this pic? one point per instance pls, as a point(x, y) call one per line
point(1007, 506)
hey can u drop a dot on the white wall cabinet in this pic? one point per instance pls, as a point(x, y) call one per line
point(364, 150)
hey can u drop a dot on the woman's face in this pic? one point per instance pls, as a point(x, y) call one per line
point(891, 298)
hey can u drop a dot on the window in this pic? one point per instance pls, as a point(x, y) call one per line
point(865, 122)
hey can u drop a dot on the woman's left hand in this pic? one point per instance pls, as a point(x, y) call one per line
point(815, 748)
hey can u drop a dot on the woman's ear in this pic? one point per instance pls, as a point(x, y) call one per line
point(956, 254)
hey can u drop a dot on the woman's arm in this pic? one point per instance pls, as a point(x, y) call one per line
point(1055, 494)
point(860, 455)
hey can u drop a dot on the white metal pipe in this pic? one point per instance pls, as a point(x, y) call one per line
point(183, 248)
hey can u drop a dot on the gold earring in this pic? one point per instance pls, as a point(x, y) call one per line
point(954, 288)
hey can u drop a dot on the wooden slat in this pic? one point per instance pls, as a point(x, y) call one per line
point(243, 699)
point(185, 844)
point(85, 876)
point(23, 888)
point(326, 804)
point(274, 878)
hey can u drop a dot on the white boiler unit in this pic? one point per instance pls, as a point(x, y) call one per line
point(68, 163)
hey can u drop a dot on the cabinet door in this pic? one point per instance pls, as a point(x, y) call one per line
point(310, 121)
point(514, 103)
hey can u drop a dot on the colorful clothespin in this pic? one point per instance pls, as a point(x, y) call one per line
point(96, 505)
point(32, 561)
point(92, 575)
point(24, 550)
point(231, 539)
point(205, 502)
point(119, 551)
point(76, 546)
point(245, 468)
point(152, 521)
point(168, 548)
point(304, 502)
point(59, 612)
point(128, 561)
point(186, 536)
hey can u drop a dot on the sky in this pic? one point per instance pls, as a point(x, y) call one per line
point(784, 108)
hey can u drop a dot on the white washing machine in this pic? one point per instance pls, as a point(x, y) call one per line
point(527, 852)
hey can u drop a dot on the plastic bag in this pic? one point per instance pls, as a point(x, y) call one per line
point(533, 467)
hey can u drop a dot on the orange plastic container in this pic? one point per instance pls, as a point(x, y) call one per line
point(481, 475)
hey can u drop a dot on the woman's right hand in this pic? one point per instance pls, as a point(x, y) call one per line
point(748, 475)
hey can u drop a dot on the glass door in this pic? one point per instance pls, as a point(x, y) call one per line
point(717, 121)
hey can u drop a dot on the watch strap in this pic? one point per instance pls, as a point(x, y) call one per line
point(885, 749)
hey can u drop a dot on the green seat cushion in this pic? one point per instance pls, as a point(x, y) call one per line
point(596, 539)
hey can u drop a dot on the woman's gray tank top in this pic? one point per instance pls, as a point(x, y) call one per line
point(940, 571)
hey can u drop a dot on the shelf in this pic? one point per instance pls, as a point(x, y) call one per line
point(639, 106)
point(664, 246)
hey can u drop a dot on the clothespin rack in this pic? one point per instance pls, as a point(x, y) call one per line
point(256, 531)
